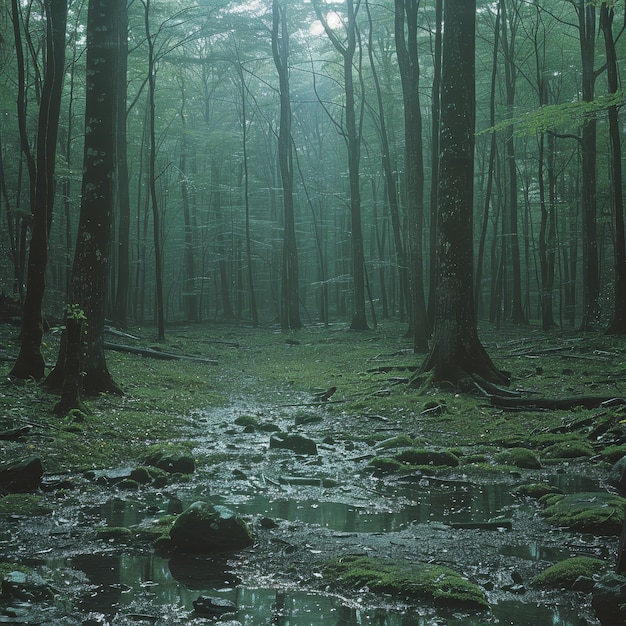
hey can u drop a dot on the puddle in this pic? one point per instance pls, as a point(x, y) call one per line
point(125, 584)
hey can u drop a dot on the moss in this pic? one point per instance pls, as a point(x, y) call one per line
point(386, 465)
point(564, 574)
point(598, 513)
point(612, 454)
point(519, 457)
point(422, 456)
point(536, 490)
point(7, 568)
point(247, 420)
point(440, 585)
point(23, 504)
point(568, 450)
point(401, 441)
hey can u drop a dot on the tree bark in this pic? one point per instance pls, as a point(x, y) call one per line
point(456, 350)
point(93, 247)
point(30, 362)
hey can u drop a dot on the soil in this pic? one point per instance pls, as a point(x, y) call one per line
point(266, 380)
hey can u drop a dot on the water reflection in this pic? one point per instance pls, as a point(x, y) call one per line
point(119, 582)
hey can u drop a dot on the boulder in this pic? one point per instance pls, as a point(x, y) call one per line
point(617, 476)
point(214, 606)
point(204, 527)
point(22, 476)
point(173, 461)
point(609, 600)
point(26, 587)
point(296, 443)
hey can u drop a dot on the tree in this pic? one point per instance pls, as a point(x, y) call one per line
point(290, 301)
point(90, 273)
point(30, 361)
point(352, 134)
point(456, 351)
point(406, 15)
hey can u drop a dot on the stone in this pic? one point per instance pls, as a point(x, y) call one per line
point(214, 606)
point(296, 443)
point(617, 476)
point(204, 527)
point(172, 461)
point(22, 476)
point(609, 600)
point(26, 587)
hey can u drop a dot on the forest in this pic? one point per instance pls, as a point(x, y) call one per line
point(363, 258)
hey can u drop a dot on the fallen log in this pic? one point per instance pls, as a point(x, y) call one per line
point(156, 354)
point(554, 404)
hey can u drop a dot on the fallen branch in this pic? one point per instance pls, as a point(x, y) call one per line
point(553, 404)
point(156, 354)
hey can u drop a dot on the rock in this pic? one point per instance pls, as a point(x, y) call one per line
point(172, 461)
point(418, 456)
point(584, 584)
point(617, 476)
point(564, 574)
point(598, 513)
point(214, 606)
point(296, 443)
point(609, 600)
point(26, 587)
point(204, 527)
point(22, 476)
point(519, 457)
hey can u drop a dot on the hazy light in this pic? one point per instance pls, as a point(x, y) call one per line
point(333, 19)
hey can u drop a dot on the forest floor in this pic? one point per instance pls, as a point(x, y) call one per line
point(347, 499)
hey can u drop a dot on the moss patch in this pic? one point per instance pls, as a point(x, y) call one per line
point(563, 575)
point(536, 490)
point(519, 457)
point(439, 584)
point(23, 504)
point(594, 512)
point(421, 456)
point(568, 450)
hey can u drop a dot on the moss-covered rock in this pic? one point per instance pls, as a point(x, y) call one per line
point(114, 534)
point(385, 465)
point(598, 513)
point(440, 585)
point(204, 527)
point(400, 441)
point(423, 456)
point(564, 574)
point(519, 457)
point(573, 449)
point(535, 490)
point(171, 459)
point(612, 454)
point(247, 420)
point(26, 504)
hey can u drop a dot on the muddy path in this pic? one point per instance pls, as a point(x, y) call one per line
point(306, 508)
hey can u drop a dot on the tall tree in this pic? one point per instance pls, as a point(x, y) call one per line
point(352, 134)
point(406, 30)
point(290, 300)
point(30, 362)
point(618, 323)
point(456, 351)
point(90, 274)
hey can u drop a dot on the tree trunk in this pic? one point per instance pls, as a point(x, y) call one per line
point(618, 323)
point(93, 247)
point(290, 304)
point(406, 13)
point(456, 350)
point(30, 362)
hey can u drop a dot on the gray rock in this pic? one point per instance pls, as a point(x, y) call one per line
point(617, 476)
point(609, 600)
point(204, 527)
point(22, 476)
point(172, 461)
point(214, 606)
point(26, 587)
point(296, 443)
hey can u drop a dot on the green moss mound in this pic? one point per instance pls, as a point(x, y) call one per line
point(564, 574)
point(536, 490)
point(574, 449)
point(401, 441)
point(23, 504)
point(597, 513)
point(519, 457)
point(421, 456)
point(439, 584)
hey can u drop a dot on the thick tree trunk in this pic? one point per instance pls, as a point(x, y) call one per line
point(93, 247)
point(456, 350)
point(30, 362)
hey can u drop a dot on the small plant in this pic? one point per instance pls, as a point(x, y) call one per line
point(74, 312)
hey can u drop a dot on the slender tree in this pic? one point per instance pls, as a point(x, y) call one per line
point(30, 362)
point(290, 301)
point(456, 351)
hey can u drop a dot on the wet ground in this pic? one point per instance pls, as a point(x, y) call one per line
point(303, 509)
